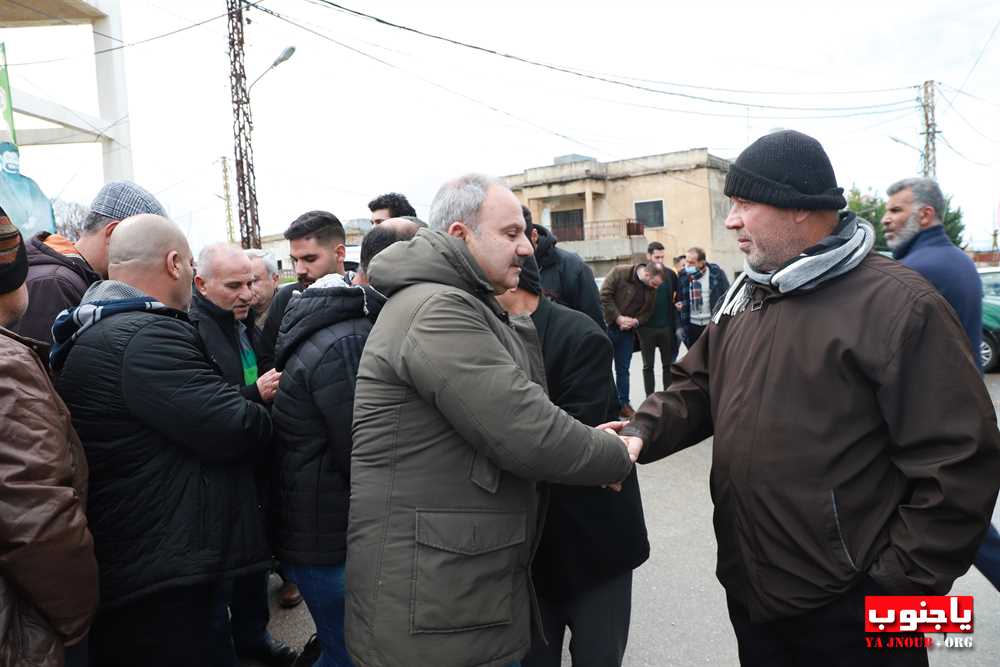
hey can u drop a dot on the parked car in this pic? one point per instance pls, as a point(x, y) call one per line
point(990, 347)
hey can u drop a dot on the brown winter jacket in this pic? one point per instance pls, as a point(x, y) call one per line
point(853, 436)
point(57, 278)
point(622, 293)
point(451, 431)
point(48, 573)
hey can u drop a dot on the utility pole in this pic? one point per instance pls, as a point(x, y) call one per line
point(930, 131)
point(230, 232)
point(246, 188)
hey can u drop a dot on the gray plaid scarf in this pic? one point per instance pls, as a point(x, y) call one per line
point(834, 256)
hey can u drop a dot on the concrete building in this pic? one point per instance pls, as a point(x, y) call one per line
point(66, 125)
point(608, 212)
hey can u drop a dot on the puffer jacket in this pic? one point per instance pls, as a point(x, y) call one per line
point(853, 437)
point(48, 573)
point(319, 347)
point(451, 434)
point(170, 446)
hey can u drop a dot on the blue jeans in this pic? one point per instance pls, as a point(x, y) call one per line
point(988, 557)
point(322, 587)
point(623, 344)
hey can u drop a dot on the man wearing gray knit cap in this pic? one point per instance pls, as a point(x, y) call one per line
point(856, 450)
point(60, 269)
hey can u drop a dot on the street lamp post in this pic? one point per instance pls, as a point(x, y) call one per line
point(285, 55)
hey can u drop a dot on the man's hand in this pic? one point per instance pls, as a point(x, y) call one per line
point(267, 385)
point(611, 427)
point(633, 445)
point(625, 323)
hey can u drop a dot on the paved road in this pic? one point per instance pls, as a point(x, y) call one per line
point(679, 609)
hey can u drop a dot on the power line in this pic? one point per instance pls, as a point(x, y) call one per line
point(745, 116)
point(62, 20)
point(169, 33)
point(572, 72)
point(492, 107)
point(967, 159)
point(964, 119)
point(971, 96)
point(980, 56)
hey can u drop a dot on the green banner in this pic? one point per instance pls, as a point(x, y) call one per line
point(6, 105)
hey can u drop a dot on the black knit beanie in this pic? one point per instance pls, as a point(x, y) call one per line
point(13, 258)
point(786, 169)
point(530, 280)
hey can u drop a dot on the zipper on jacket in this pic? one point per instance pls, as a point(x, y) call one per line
point(840, 532)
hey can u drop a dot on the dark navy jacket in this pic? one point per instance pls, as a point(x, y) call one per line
point(932, 254)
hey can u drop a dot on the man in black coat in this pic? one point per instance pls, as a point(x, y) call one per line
point(566, 278)
point(319, 348)
point(593, 538)
point(172, 502)
point(220, 311)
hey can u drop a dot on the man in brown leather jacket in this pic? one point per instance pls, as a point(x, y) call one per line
point(48, 574)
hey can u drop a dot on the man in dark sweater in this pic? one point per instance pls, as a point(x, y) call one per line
point(658, 331)
point(593, 537)
point(220, 312)
point(915, 233)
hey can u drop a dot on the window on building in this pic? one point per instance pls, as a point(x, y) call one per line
point(279, 265)
point(568, 225)
point(649, 213)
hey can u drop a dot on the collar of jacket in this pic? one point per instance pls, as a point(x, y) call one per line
point(38, 347)
point(202, 308)
point(316, 308)
point(46, 248)
point(542, 316)
point(932, 236)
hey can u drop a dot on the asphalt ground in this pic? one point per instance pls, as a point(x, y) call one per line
point(679, 613)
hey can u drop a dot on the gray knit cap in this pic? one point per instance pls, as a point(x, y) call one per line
point(122, 199)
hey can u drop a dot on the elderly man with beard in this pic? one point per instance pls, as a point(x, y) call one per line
point(855, 449)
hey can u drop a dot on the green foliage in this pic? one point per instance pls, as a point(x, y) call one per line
point(871, 206)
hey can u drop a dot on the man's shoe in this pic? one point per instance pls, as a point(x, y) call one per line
point(310, 653)
point(289, 595)
point(273, 653)
point(627, 411)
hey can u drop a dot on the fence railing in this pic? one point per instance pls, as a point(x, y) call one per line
point(612, 229)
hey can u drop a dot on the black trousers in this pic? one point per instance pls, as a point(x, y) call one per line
point(598, 619)
point(651, 340)
point(831, 636)
point(164, 629)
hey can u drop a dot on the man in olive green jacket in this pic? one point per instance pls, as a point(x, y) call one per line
point(452, 429)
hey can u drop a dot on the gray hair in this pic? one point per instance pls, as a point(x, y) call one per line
point(460, 200)
point(211, 253)
point(926, 192)
point(94, 222)
point(270, 261)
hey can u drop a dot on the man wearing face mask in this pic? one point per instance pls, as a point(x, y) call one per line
point(700, 288)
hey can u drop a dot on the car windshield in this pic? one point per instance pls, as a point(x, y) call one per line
point(991, 283)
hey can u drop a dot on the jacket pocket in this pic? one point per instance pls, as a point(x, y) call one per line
point(837, 535)
point(464, 568)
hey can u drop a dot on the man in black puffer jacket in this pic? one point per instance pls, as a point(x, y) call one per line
point(322, 336)
point(172, 501)
point(220, 311)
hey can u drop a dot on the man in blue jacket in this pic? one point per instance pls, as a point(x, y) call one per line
point(915, 233)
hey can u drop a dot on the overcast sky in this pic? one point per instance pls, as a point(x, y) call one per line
point(333, 127)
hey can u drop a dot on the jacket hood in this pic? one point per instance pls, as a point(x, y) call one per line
point(102, 300)
point(546, 245)
point(429, 257)
point(52, 249)
point(317, 308)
